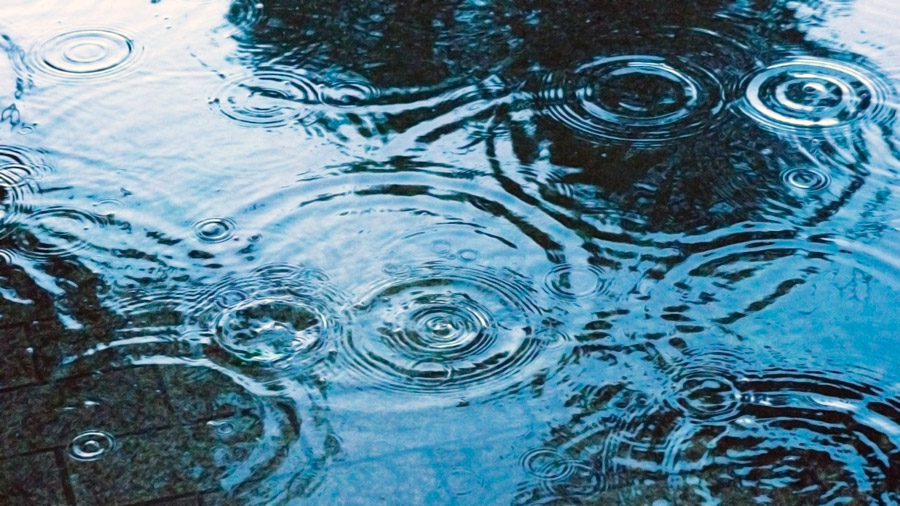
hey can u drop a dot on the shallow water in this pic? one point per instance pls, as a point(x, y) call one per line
point(461, 252)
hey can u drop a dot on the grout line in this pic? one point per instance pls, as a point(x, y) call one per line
point(68, 490)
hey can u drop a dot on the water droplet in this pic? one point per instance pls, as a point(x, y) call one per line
point(280, 316)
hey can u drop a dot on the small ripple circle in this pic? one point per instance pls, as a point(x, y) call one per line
point(214, 229)
point(634, 98)
point(575, 282)
point(86, 53)
point(814, 93)
point(91, 445)
point(806, 179)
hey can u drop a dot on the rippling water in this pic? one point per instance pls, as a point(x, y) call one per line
point(460, 252)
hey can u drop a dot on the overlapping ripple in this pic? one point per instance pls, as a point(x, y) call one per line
point(19, 170)
point(279, 316)
point(443, 330)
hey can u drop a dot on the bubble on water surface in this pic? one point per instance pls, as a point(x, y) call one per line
point(85, 53)
point(806, 179)
point(214, 229)
point(269, 97)
point(808, 93)
point(443, 329)
point(634, 98)
point(91, 445)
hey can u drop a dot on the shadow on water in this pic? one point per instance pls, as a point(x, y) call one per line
point(584, 252)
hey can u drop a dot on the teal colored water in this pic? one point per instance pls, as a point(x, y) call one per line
point(460, 252)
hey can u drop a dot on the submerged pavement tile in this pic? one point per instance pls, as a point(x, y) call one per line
point(52, 415)
point(16, 358)
point(31, 480)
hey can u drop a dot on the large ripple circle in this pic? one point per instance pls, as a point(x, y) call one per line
point(634, 98)
point(279, 316)
point(272, 97)
point(85, 53)
point(443, 329)
point(814, 93)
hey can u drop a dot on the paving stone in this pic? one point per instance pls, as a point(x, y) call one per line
point(171, 462)
point(16, 358)
point(51, 415)
point(199, 393)
point(32, 480)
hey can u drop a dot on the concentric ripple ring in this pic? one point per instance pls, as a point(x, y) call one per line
point(271, 97)
point(634, 98)
point(814, 93)
point(443, 330)
point(85, 53)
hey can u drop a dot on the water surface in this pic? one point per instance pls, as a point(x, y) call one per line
point(463, 252)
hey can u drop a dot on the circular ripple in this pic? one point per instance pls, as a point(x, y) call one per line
point(271, 97)
point(91, 445)
point(56, 231)
point(814, 93)
point(214, 229)
point(703, 386)
point(547, 464)
point(443, 329)
point(806, 179)
point(348, 93)
point(634, 98)
point(280, 316)
point(575, 282)
point(85, 53)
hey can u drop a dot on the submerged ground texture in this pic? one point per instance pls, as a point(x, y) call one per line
point(456, 252)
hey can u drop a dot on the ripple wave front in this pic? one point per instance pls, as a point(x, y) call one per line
point(444, 330)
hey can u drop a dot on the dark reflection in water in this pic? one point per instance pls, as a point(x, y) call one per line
point(487, 252)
